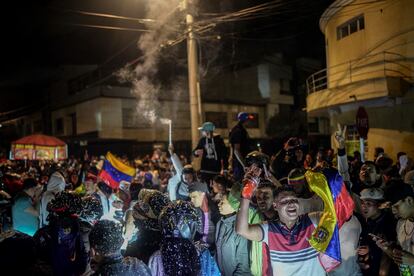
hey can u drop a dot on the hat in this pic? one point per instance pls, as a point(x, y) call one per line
point(244, 116)
point(91, 210)
point(398, 190)
point(150, 203)
point(207, 126)
point(106, 236)
point(372, 194)
point(64, 204)
point(179, 219)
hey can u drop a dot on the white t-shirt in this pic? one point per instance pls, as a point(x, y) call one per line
point(405, 236)
point(349, 238)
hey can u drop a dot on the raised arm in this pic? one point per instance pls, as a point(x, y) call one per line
point(342, 157)
point(175, 160)
point(243, 228)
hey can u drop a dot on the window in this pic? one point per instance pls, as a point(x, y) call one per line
point(361, 23)
point(59, 126)
point(219, 119)
point(352, 26)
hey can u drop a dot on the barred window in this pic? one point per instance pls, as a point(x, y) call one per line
point(352, 26)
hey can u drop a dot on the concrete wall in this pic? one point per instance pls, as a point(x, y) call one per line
point(105, 116)
point(389, 26)
point(388, 98)
point(391, 125)
point(232, 109)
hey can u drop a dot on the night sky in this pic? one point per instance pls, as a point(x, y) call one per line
point(39, 36)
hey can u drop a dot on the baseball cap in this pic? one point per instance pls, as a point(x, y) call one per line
point(207, 126)
point(244, 116)
point(372, 193)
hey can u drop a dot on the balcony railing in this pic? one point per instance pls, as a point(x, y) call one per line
point(380, 65)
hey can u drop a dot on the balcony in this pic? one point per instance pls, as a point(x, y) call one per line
point(383, 74)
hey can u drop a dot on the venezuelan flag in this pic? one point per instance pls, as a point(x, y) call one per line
point(114, 171)
point(338, 208)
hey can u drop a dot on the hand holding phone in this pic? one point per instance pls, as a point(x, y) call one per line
point(375, 237)
point(382, 243)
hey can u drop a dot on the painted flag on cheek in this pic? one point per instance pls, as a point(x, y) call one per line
point(114, 171)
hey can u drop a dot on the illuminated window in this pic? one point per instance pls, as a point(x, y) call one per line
point(352, 26)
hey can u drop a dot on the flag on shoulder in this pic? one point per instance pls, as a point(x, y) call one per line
point(338, 208)
point(114, 171)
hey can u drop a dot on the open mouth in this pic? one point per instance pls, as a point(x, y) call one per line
point(291, 211)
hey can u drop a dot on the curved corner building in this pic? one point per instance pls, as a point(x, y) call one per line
point(370, 63)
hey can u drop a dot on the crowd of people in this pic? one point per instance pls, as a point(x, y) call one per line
point(242, 213)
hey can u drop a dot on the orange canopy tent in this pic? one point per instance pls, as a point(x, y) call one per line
point(39, 147)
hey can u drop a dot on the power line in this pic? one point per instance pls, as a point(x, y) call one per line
point(108, 27)
point(113, 16)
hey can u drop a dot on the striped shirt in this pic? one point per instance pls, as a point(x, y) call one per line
point(290, 251)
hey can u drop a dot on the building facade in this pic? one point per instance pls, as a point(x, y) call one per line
point(370, 63)
point(97, 116)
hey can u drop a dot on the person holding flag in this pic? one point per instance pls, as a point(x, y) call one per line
point(114, 171)
point(305, 244)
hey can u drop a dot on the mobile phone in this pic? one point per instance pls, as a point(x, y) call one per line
point(376, 237)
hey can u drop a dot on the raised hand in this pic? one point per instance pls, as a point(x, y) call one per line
point(250, 181)
point(291, 143)
point(340, 135)
point(171, 149)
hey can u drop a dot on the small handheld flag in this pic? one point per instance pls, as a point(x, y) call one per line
point(114, 171)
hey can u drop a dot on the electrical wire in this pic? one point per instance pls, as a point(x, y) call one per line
point(113, 16)
point(119, 52)
point(108, 27)
point(135, 61)
point(254, 12)
point(353, 11)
